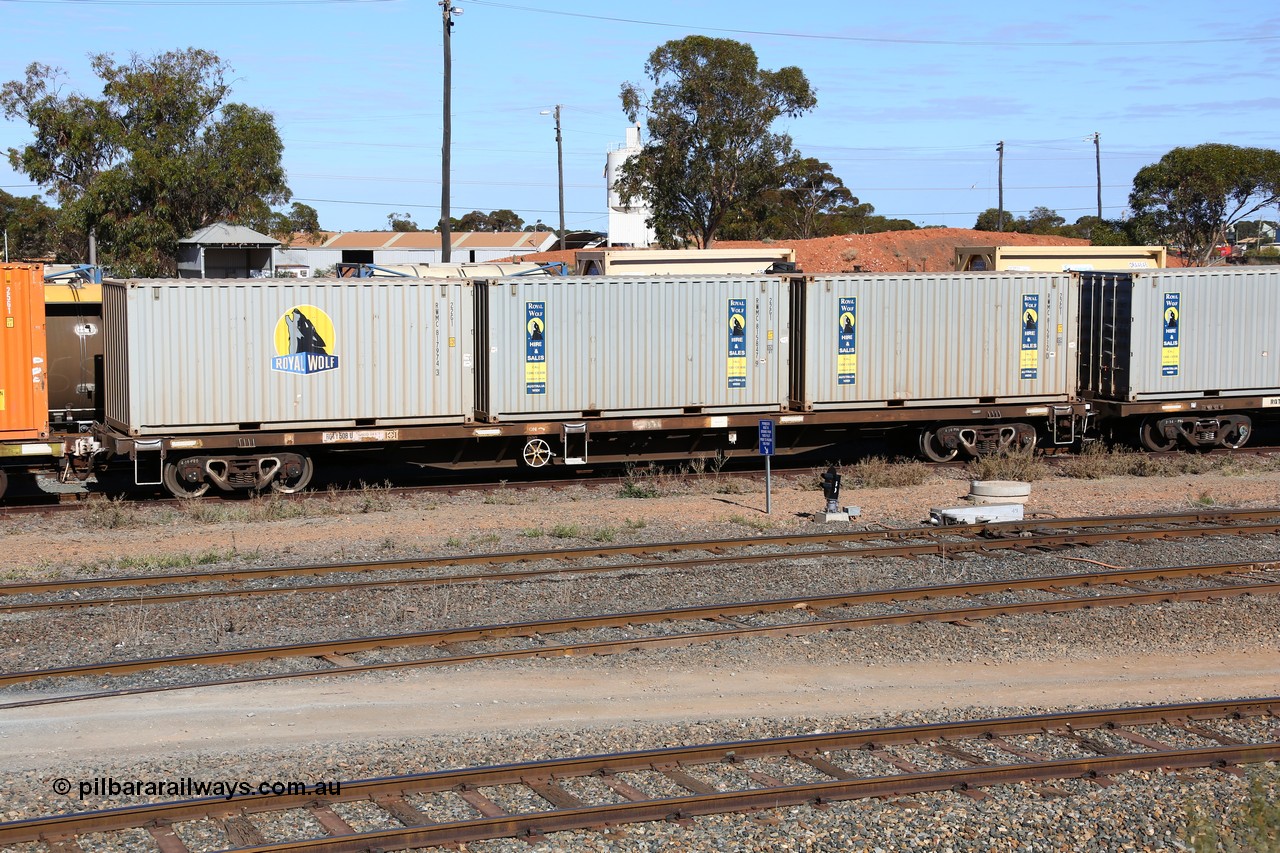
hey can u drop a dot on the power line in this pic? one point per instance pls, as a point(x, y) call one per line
point(198, 2)
point(875, 39)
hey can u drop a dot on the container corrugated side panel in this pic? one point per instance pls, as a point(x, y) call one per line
point(213, 354)
point(118, 403)
point(1228, 333)
point(24, 385)
point(635, 345)
point(945, 339)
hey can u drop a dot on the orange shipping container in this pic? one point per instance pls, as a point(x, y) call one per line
point(24, 386)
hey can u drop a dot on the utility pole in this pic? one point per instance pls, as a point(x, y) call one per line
point(1097, 159)
point(1000, 186)
point(446, 238)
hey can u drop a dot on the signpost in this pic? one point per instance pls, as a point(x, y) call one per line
point(766, 450)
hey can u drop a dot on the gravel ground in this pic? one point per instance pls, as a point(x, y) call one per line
point(1140, 812)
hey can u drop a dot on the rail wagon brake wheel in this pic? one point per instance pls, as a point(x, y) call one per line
point(288, 483)
point(537, 453)
point(181, 487)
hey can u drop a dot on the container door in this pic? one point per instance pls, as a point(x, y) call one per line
point(24, 389)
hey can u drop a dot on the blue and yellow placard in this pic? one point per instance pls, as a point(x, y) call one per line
point(1170, 345)
point(1029, 363)
point(847, 342)
point(304, 340)
point(737, 363)
point(535, 348)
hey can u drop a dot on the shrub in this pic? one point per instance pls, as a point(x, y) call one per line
point(1022, 465)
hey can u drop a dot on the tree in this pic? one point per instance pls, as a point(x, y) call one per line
point(709, 150)
point(1193, 195)
point(498, 220)
point(158, 156)
point(810, 193)
point(1042, 220)
point(301, 219)
point(990, 220)
point(29, 226)
point(401, 222)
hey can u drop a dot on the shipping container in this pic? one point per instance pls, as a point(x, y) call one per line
point(24, 382)
point(1058, 258)
point(631, 345)
point(73, 319)
point(1167, 334)
point(932, 339)
point(194, 355)
point(685, 262)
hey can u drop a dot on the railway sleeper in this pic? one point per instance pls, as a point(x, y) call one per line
point(986, 439)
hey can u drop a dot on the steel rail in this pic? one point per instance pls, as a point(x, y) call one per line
point(719, 614)
point(1009, 536)
point(569, 813)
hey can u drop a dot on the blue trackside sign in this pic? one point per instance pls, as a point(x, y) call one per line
point(766, 438)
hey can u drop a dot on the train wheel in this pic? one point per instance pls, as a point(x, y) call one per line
point(537, 453)
point(4, 482)
point(291, 485)
point(1152, 439)
point(1237, 433)
point(933, 451)
point(180, 487)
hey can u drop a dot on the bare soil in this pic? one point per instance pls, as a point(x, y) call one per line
point(923, 250)
point(421, 705)
point(513, 696)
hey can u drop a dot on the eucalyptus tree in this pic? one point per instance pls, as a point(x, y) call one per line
point(160, 154)
point(710, 148)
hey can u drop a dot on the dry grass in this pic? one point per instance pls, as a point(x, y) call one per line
point(1097, 462)
point(1252, 826)
point(1021, 465)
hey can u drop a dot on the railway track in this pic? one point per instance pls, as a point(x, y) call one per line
point(528, 800)
point(959, 603)
point(69, 594)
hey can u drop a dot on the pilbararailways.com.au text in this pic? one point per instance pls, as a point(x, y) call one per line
point(189, 788)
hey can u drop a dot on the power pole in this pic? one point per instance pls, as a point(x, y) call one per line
point(1000, 187)
point(446, 238)
point(1097, 158)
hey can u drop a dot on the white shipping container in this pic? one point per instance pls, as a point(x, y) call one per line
point(874, 340)
point(1203, 332)
point(632, 346)
point(195, 355)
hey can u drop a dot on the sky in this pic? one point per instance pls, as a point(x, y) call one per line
point(911, 100)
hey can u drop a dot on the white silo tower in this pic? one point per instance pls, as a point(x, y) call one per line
point(626, 224)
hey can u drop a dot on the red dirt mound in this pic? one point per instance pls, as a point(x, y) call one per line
point(925, 250)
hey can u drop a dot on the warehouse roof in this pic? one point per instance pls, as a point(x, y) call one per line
point(224, 234)
point(533, 240)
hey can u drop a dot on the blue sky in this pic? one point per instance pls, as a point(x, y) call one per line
point(911, 99)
